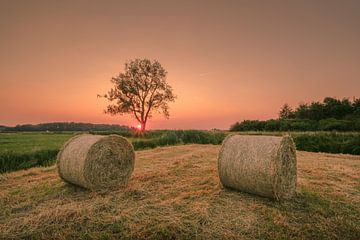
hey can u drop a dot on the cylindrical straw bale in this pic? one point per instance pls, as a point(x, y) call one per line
point(262, 165)
point(96, 162)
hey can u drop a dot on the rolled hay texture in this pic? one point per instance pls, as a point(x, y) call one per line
point(262, 165)
point(96, 162)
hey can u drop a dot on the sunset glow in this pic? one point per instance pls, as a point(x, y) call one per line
point(228, 61)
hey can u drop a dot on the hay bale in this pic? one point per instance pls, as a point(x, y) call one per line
point(262, 165)
point(96, 162)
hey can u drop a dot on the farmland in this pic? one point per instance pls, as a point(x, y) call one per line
point(175, 193)
point(24, 150)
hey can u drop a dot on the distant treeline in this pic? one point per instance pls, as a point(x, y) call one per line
point(330, 115)
point(64, 126)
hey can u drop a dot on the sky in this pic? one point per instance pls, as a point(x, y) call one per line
point(226, 60)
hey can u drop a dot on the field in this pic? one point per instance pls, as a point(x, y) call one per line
point(25, 150)
point(32, 141)
point(31, 149)
point(175, 193)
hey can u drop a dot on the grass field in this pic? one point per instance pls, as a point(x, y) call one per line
point(26, 150)
point(32, 141)
point(175, 193)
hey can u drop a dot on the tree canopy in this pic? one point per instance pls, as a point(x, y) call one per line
point(140, 90)
point(328, 115)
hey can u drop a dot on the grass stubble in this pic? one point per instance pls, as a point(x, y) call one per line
point(175, 193)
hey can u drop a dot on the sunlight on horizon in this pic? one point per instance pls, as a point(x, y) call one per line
point(226, 62)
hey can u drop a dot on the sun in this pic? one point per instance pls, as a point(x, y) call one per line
point(138, 126)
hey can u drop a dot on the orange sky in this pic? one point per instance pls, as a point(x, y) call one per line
point(226, 60)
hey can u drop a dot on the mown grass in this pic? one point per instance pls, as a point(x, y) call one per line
point(175, 193)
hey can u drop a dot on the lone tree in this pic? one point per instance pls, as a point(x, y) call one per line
point(140, 90)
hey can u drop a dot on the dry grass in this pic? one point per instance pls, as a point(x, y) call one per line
point(175, 193)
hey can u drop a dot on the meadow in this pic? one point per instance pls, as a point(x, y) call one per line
point(23, 150)
point(29, 149)
point(175, 193)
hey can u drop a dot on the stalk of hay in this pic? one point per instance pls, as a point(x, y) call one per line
point(262, 165)
point(96, 162)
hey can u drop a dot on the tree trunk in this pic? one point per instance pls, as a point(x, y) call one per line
point(143, 126)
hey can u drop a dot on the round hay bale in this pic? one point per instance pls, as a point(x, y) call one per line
point(262, 165)
point(96, 162)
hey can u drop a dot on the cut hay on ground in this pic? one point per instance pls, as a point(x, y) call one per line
point(174, 193)
point(96, 162)
point(262, 165)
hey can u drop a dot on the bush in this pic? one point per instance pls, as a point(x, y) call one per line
point(332, 124)
point(248, 125)
point(180, 137)
point(303, 125)
point(11, 161)
point(201, 137)
point(145, 144)
point(273, 125)
point(169, 138)
point(328, 142)
point(356, 125)
point(120, 133)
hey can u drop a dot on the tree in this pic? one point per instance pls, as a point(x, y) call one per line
point(335, 108)
point(140, 90)
point(356, 107)
point(286, 112)
point(316, 111)
point(302, 111)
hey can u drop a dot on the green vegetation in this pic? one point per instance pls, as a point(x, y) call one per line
point(327, 142)
point(330, 115)
point(179, 137)
point(25, 150)
point(301, 125)
point(32, 141)
point(12, 161)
